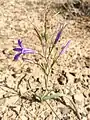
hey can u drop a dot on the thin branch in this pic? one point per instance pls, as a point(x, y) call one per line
point(52, 110)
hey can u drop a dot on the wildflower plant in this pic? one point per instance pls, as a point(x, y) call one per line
point(49, 61)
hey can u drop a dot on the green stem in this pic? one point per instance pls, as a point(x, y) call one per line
point(57, 95)
point(52, 110)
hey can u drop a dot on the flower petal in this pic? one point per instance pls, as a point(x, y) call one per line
point(17, 56)
point(17, 49)
point(25, 51)
point(20, 43)
point(64, 48)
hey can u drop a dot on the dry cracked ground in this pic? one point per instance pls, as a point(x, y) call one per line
point(20, 80)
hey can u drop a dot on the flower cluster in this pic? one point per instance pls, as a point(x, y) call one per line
point(21, 50)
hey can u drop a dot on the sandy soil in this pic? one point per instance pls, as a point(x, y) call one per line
point(19, 80)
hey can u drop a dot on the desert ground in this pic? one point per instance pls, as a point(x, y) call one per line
point(21, 80)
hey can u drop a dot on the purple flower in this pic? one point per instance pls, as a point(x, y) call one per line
point(22, 50)
point(58, 36)
point(64, 48)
